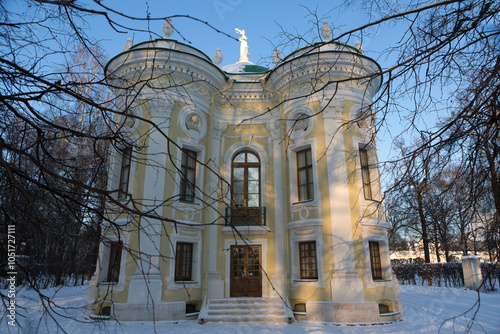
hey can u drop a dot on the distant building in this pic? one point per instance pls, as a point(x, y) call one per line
point(268, 198)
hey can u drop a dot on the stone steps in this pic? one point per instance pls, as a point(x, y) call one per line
point(244, 310)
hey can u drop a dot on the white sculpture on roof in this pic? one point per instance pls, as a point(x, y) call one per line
point(243, 46)
point(276, 56)
point(128, 44)
point(218, 57)
point(168, 27)
point(326, 31)
point(359, 46)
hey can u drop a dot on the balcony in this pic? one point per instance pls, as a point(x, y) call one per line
point(245, 216)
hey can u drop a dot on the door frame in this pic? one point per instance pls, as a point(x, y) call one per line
point(247, 252)
point(227, 257)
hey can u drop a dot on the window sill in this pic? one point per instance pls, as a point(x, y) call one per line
point(187, 202)
point(305, 201)
point(381, 280)
point(299, 313)
point(108, 283)
point(373, 200)
point(306, 280)
point(99, 317)
point(186, 282)
point(389, 314)
point(192, 314)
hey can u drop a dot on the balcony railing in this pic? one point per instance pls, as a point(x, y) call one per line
point(245, 216)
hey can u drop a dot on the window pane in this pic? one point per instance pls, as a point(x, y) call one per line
point(302, 177)
point(238, 199)
point(301, 158)
point(238, 173)
point(253, 200)
point(308, 156)
point(190, 176)
point(253, 187)
point(253, 173)
point(238, 187)
point(303, 193)
point(191, 159)
point(252, 157)
point(309, 175)
point(311, 191)
point(184, 159)
point(240, 157)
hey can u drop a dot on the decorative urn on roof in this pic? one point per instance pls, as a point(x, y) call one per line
point(168, 28)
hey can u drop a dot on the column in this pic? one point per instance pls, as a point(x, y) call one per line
point(146, 283)
point(346, 285)
point(278, 279)
point(215, 281)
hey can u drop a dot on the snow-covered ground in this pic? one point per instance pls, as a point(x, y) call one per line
point(427, 310)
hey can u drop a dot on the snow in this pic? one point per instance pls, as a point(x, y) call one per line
point(426, 310)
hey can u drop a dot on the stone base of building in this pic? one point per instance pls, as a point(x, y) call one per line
point(367, 312)
point(148, 312)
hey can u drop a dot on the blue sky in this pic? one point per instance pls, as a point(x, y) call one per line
point(263, 21)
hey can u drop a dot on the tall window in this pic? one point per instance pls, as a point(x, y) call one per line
point(305, 175)
point(115, 257)
point(308, 260)
point(246, 180)
point(124, 172)
point(375, 260)
point(188, 175)
point(365, 173)
point(183, 261)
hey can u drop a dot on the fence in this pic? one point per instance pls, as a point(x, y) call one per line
point(444, 274)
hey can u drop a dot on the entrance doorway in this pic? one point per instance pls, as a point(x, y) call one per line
point(246, 272)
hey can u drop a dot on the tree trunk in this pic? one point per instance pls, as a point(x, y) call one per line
point(425, 238)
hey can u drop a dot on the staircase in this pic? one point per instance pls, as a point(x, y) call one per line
point(245, 310)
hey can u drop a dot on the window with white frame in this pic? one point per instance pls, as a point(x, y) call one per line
point(306, 247)
point(188, 175)
point(183, 261)
point(303, 172)
point(365, 173)
point(126, 155)
point(111, 261)
point(308, 260)
point(185, 269)
point(375, 262)
point(377, 259)
point(305, 175)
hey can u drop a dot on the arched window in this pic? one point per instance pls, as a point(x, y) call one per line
point(246, 180)
point(245, 197)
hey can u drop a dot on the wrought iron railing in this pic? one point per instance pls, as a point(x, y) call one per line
point(245, 216)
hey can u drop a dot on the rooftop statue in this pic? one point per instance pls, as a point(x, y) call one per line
point(243, 46)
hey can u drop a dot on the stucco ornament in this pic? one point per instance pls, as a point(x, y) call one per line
point(193, 123)
point(218, 57)
point(168, 27)
point(277, 56)
point(326, 31)
point(243, 45)
point(301, 123)
point(128, 44)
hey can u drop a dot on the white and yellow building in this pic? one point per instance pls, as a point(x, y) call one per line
point(244, 186)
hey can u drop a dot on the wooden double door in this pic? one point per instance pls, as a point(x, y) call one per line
point(246, 271)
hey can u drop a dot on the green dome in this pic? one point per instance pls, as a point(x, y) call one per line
point(244, 68)
point(254, 69)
